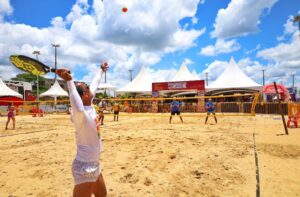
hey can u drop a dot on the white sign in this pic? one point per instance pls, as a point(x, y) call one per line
point(176, 85)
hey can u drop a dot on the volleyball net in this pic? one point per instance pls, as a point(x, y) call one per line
point(237, 104)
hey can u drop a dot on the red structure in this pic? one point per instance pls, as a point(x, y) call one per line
point(282, 90)
point(198, 85)
point(293, 119)
point(4, 100)
point(179, 85)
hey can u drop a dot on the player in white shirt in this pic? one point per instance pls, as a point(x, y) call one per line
point(86, 167)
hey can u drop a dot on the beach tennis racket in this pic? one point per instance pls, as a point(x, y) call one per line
point(30, 65)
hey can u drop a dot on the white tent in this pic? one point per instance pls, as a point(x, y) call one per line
point(184, 74)
point(6, 91)
point(142, 83)
point(107, 87)
point(233, 78)
point(55, 91)
point(196, 77)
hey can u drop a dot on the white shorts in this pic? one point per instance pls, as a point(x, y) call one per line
point(84, 172)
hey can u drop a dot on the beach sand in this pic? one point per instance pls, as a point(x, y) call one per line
point(146, 156)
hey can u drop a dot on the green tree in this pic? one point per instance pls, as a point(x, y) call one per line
point(27, 77)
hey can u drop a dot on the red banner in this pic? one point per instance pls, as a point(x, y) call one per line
point(179, 85)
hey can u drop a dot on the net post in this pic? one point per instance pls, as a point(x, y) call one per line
point(280, 107)
point(254, 104)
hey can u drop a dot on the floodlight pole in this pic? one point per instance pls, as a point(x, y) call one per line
point(293, 81)
point(263, 70)
point(55, 63)
point(37, 53)
point(130, 71)
point(206, 78)
point(297, 19)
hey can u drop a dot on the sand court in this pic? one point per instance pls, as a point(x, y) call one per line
point(146, 156)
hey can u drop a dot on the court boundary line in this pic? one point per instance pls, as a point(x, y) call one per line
point(256, 167)
point(25, 133)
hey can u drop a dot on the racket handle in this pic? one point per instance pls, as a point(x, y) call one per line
point(53, 70)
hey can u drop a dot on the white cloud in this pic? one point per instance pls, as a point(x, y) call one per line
point(79, 8)
point(7, 72)
point(214, 69)
point(187, 61)
point(152, 25)
point(241, 17)
point(5, 9)
point(258, 46)
point(289, 29)
point(58, 22)
point(220, 47)
point(194, 20)
point(91, 34)
point(286, 55)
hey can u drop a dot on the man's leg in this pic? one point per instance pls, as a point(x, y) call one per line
point(170, 119)
point(101, 119)
point(215, 118)
point(181, 118)
point(206, 118)
point(99, 188)
point(178, 113)
point(83, 190)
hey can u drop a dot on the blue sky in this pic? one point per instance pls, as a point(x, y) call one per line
point(160, 35)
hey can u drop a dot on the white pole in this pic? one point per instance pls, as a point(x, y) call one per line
point(55, 103)
point(37, 95)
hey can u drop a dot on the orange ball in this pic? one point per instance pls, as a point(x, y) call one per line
point(124, 9)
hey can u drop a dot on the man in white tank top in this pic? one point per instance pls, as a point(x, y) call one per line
point(86, 167)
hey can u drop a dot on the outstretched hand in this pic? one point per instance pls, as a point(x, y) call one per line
point(64, 74)
point(104, 67)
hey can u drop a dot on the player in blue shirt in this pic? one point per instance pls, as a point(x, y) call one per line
point(210, 107)
point(175, 110)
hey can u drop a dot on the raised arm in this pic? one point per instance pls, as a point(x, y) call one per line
point(97, 79)
point(75, 100)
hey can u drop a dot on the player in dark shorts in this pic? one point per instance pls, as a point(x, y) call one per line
point(116, 108)
point(210, 107)
point(175, 110)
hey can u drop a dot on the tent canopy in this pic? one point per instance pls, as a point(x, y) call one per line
point(142, 83)
point(6, 91)
point(184, 74)
point(55, 91)
point(233, 77)
point(105, 86)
